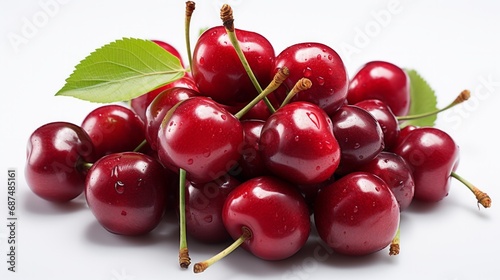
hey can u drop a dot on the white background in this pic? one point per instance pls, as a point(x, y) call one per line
point(453, 44)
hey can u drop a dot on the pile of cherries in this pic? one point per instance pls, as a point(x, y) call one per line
point(262, 170)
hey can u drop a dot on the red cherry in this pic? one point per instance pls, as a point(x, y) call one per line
point(204, 204)
point(359, 135)
point(251, 163)
point(323, 66)
point(141, 103)
point(383, 81)
point(357, 215)
point(200, 137)
point(433, 155)
point(396, 173)
point(127, 192)
point(114, 128)
point(218, 72)
point(273, 211)
point(55, 155)
point(384, 116)
point(159, 107)
point(297, 144)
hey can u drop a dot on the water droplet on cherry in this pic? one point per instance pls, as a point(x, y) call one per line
point(320, 80)
point(314, 119)
point(208, 218)
point(119, 187)
point(124, 213)
point(307, 72)
point(190, 161)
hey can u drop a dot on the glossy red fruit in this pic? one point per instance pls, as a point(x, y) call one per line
point(323, 66)
point(159, 107)
point(140, 104)
point(113, 128)
point(384, 116)
point(200, 137)
point(432, 155)
point(396, 173)
point(251, 163)
point(273, 211)
point(218, 72)
point(403, 133)
point(127, 192)
point(384, 81)
point(204, 203)
point(357, 215)
point(55, 155)
point(359, 135)
point(297, 144)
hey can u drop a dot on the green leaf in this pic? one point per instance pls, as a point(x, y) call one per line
point(423, 100)
point(122, 70)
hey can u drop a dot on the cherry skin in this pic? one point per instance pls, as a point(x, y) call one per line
point(359, 135)
point(200, 137)
point(204, 204)
point(323, 66)
point(403, 133)
point(113, 128)
point(55, 155)
point(140, 104)
point(357, 214)
point(251, 163)
point(273, 211)
point(159, 107)
point(297, 144)
point(384, 116)
point(384, 81)
point(127, 192)
point(218, 72)
point(432, 155)
point(396, 173)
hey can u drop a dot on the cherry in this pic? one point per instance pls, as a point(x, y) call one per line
point(297, 144)
point(140, 104)
point(251, 163)
point(357, 214)
point(204, 204)
point(403, 133)
point(384, 81)
point(218, 72)
point(432, 155)
point(396, 173)
point(359, 135)
point(127, 192)
point(200, 137)
point(114, 128)
point(159, 107)
point(56, 155)
point(323, 66)
point(384, 116)
point(266, 216)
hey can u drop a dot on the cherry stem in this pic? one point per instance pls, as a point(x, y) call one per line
point(278, 79)
point(301, 85)
point(140, 146)
point(226, 15)
point(202, 266)
point(184, 259)
point(463, 96)
point(394, 247)
point(190, 6)
point(482, 198)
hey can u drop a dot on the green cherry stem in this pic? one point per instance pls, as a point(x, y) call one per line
point(278, 79)
point(463, 96)
point(201, 266)
point(482, 198)
point(141, 145)
point(184, 259)
point(190, 6)
point(302, 84)
point(226, 15)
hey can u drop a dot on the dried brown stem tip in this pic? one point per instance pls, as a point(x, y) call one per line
point(464, 95)
point(482, 198)
point(184, 259)
point(226, 15)
point(190, 6)
point(394, 250)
